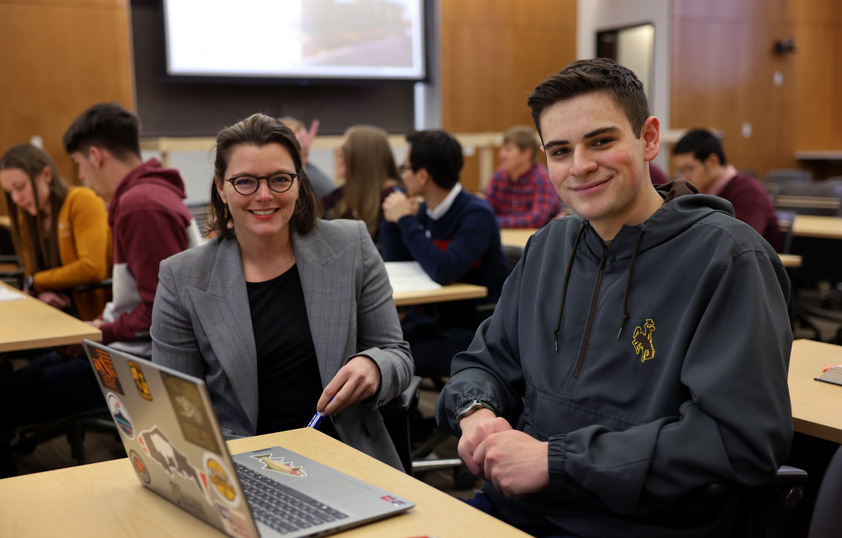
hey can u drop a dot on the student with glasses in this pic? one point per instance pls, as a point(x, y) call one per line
point(282, 313)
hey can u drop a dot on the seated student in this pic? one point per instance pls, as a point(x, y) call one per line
point(520, 192)
point(453, 235)
point(322, 184)
point(282, 313)
point(698, 156)
point(367, 163)
point(61, 232)
point(149, 222)
point(605, 393)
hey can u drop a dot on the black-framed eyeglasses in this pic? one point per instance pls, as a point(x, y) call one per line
point(248, 184)
point(404, 167)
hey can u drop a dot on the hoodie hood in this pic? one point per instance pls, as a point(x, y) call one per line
point(683, 207)
point(150, 174)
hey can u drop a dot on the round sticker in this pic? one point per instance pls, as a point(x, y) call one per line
point(222, 479)
point(139, 467)
point(121, 415)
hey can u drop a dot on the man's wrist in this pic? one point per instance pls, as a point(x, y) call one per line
point(29, 283)
point(472, 407)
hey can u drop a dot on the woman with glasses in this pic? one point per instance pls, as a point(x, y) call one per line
point(282, 313)
point(366, 162)
point(60, 232)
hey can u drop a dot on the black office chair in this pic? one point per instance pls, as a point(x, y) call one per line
point(810, 198)
point(775, 178)
point(74, 427)
point(820, 262)
point(757, 512)
point(826, 521)
point(396, 416)
point(12, 275)
point(200, 212)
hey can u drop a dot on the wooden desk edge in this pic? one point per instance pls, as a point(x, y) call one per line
point(95, 335)
point(815, 429)
point(452, 292)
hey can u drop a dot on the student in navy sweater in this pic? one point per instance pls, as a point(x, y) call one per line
point(453, 235)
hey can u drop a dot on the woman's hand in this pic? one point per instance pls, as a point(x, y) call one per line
point(357, 380)
point(56, 300)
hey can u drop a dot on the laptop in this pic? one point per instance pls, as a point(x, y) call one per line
point(175, 445)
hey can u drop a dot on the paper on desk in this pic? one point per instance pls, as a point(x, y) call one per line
point(408, 276)
point(9, 295)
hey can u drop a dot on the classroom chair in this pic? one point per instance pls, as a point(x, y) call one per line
point(12, 273)
point(74, 427)
point(810, 198)
point(396, 416)
point(773, 179)
point(826, 521)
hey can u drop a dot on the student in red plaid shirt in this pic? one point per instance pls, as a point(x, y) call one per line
point(520, 191)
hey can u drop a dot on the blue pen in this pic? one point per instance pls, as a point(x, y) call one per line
point(317, 418)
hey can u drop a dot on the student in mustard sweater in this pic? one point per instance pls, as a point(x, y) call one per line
point(60, 232)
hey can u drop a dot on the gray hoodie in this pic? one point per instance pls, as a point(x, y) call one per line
point(653, 367)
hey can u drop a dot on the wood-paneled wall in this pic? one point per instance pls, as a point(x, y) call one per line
point(57, 57)
point(493, 53)
point(724, 71)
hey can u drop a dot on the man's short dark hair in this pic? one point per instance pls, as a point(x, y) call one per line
point(588, 76)
point(437, 152)
point(105, 125)
point(702, 144)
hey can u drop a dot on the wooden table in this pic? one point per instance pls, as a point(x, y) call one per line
point(815, 226)
point(816, 406)
point(106, 499)
point(451, 292)
point(32, 324)
point(517, 237)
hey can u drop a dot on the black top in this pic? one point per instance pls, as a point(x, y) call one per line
point(288, 380)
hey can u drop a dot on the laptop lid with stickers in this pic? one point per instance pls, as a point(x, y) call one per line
point(174, 443)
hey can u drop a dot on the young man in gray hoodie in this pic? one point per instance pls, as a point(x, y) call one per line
point(639, 350)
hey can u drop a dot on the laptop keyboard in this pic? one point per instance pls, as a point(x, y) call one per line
point(280, 507)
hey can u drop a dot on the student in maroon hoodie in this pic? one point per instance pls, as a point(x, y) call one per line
point(149, 221)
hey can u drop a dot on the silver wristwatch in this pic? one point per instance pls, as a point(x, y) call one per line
point(470, 408)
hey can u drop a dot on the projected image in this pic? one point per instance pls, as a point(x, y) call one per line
point(296, 38)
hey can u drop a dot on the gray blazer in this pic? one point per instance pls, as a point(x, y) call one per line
point(201, 325)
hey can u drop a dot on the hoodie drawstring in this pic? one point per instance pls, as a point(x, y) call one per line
point(628, 284)
point(567, 280)
point(564, 287)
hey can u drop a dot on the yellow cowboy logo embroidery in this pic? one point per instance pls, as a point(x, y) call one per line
point(642, 341)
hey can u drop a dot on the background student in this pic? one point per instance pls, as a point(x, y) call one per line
point(149, 221)
point(698, 156)
point(367, 163)
point(322, 184)
point(60, 232)
point(453, 235)
point(520, 191)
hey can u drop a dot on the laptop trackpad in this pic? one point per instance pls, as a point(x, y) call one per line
point(341, 486)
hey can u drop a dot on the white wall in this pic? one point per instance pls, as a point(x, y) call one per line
point(597, 15)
